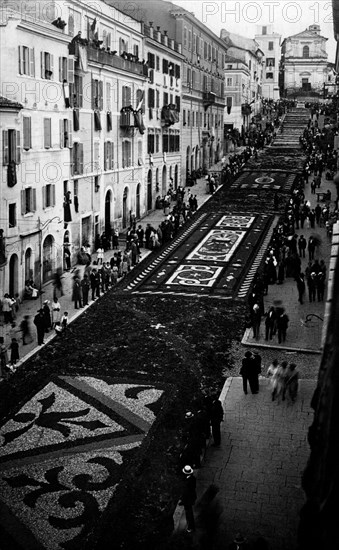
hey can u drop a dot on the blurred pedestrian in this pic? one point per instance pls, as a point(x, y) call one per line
point(270, 323)
point(76, 293)
point(57, 284)
point(292, 381)
point(14, 347)
point(256, 320)
point(26, 330)
point(301, 287)
point(216, 417)
point(272, 373)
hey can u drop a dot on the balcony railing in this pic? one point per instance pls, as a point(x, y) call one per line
point(208, 99)
point(113, 60)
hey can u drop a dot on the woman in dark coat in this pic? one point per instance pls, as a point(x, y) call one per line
point(47, 316)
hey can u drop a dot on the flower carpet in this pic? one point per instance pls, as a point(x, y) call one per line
point(212, 260)
point(63, 454)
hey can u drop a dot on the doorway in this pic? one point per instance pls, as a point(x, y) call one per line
point(13, 275)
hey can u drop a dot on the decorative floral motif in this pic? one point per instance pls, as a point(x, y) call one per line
point(236, 222)
point(195, 275)
point(59, 495)
point(218, 245)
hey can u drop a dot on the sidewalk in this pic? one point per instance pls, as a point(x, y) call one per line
point(301, 335)
point(258, 466)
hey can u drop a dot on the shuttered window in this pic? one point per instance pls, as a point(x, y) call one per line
point(47, 133)
point(27, 133)
point(28, 200)
point(26, 59)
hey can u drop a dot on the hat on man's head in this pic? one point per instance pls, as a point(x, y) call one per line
point(187, 470)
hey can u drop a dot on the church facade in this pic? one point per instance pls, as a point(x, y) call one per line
point(304, 62)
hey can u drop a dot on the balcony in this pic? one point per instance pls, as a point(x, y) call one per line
point(126, 119)
point(98, 55)
point(208, 99)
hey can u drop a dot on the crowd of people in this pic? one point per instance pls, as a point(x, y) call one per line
point(284, 377)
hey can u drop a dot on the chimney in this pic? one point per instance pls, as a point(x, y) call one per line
point(151, 30)
point(165, 38)
point(158, 34)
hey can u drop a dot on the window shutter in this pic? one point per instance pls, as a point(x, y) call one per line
point(105, 155)
point(71, 95)
point(151, 76)
point(44, 196)
point(93, 94)
point(42, 64)
point(101, 95)
point(70, 73)
point(20, 55)
point(81, 158)
point(72, 157)
point(165, 66)
point(129, 95)
point(18, 148)
point(51, 65)
point(70, 134)
point(26, 131)
point(80, 92)
point(46, 142)
point(60, 70)
point(32, 62)
point(61, 133)
point(52, 195)
point(23, 202)
point(33, 200)
point(112, 156)
point(5, 157)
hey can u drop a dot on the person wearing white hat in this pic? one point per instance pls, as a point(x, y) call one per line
point(189, 496)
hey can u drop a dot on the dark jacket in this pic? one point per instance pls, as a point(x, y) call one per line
point(189, 494)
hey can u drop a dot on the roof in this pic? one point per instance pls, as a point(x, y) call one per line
point(6, 103)
point(232, 59)
point(307, 34)
point(241, 42)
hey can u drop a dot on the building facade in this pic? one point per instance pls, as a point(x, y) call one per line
point(202, 105)
point(269, 43)
point(304, 62)
point(73, 138)
point(237, 79)
point(163, 114)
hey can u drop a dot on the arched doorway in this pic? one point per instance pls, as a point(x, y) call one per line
point(125, 217)
point(28, 265)
point(176, 177)
point(137, 202)
point(157, 184)
point(48, 258)
point(13, 275)
point(149, 190)
point(108, 203)
point(164, 181)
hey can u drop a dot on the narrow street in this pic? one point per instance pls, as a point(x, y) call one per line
point(133, 361)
